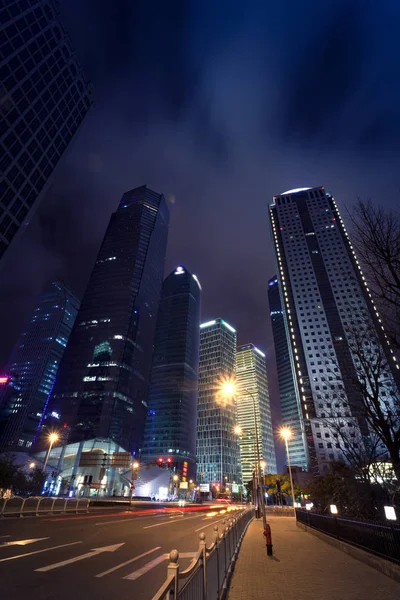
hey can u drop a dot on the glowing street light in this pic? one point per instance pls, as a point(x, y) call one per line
point(227, 392)
point(32, 465)
point(287, 434)
point(53, 437)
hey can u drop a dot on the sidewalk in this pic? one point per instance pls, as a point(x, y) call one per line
point(301, 568)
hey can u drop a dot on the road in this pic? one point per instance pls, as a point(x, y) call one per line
point(105, 555)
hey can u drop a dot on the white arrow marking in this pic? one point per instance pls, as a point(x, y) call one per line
point(93, 552)
point(153, 563)
point(22, 542)
point(128, 562)
point(39, 551)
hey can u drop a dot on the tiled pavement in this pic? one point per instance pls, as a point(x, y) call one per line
point(302, 567)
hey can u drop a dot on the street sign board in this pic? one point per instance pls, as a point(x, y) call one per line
point(121, 460)
point(235, 488)
point(204, 487)
point(184, 485)
point(91, 459)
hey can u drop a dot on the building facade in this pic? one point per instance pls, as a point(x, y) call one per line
point(292, 415)
point(253, 408)
point(218, 454)
point(33, 367)
point(102, 385)
point(171, 422)
point(44, 97)
point(328, 306)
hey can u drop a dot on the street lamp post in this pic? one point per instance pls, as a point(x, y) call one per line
point(53, 437)
point(286, 434)
point(135, 469)
point(229, 390)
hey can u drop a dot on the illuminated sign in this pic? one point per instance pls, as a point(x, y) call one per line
point(4, 379)
point(204, 487)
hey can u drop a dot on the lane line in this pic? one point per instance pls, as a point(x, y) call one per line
point(69, 561)
point(205, 526)
point(153, 563)
point(169, 522)
point(4, 536)
point(21, 542)
point(39, 551)
point(128, 562)
point(128, 519)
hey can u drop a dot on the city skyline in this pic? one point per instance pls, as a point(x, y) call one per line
point(46, 97)
point(101, 388)
point(327, 304)
point(33, 367)
point(171, 422)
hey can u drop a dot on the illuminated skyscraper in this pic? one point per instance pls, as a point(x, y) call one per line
point(327, 304)
point(33, 366)
point(102, 385)
point(292, 415)
point(252, 395)
point(44, 97)
point(171, 422)
point(218, 456)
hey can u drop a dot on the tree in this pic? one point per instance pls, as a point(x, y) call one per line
point(8, 471)
point(376, 237)
point(341, 487)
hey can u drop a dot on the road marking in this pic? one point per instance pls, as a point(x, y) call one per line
point(129, 519)
point(69, 561)
point(3, 536)
point(153, 563)
point(128, 562)
point(212, 523)
point(39, 551)
point(169, 522)
point(22, 542)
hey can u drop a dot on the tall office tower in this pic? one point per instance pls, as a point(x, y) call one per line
point(33, 366)
point(292, 415)
point(253, 408)
point(43, 99)
point(327, 304)
point(171, 423)
point(102, 385)
point(218, 454)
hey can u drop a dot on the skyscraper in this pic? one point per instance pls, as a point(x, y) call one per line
point(101, 388)
point(326, 302)
point(33, 366)
point(171, 423)
point(218, 458)
point(289, 396)
point(253, 396)
point(43, 99)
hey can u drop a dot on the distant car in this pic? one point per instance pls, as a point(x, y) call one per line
point(181, 503)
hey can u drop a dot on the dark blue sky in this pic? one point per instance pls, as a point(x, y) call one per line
point(220, 105)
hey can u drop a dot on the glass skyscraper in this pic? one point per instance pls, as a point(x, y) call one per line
point(326, 302)
point(33, 366)
point(289, 396)
point(171, 423)
point(102, 385)
point(44, 97)
point(218, 454)
point(253, 395)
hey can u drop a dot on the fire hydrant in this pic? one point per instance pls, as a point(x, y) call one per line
point(268, 539)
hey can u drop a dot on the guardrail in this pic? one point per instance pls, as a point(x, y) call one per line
point(208, 574)
point(381, 539)
point(36, 506)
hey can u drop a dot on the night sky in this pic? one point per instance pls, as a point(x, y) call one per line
point(220, 105)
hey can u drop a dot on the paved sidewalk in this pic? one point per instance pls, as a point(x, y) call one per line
point(301, 568)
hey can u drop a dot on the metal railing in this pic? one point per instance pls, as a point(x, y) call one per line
point(41, 505)
point(208, 574)
point(381, 539)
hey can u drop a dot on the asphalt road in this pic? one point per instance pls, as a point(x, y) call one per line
point(108, 555)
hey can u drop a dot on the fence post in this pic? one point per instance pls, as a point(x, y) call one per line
point(173, 569)
point(202, 537)
point(37, 507)
point(216, 537)
point(4, 506)
point(52, 506)
point(87, 505)
point(65, 505)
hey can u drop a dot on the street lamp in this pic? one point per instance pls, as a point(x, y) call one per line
point(53, 437)
point(286, 434)
point(228, 391)
point(135, 469)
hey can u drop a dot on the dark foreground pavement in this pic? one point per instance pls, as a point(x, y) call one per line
point(102, 556)
point(302, 567)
